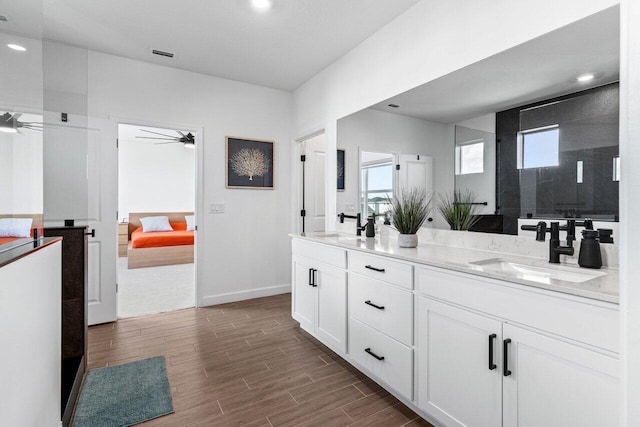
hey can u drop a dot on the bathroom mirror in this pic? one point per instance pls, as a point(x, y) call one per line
point(385, 153)
point(438, 118)
point(475, 166)
point(21, 136)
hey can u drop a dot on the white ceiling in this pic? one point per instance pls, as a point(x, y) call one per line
point(281, 48)
point(539, 69)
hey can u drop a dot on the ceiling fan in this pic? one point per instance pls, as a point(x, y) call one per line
point(9, 123)
point(188, 139)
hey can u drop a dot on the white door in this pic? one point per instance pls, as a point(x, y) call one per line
point(331, 318)
point(554, 383)
point(314, 183)
point(414, 171)
point(304, 293)
point(80, 178)
point(459, 365)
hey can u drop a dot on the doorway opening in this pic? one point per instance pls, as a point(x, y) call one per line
point(313, 183)
point(156, 220)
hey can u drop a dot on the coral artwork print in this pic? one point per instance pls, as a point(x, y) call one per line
point(249, 162)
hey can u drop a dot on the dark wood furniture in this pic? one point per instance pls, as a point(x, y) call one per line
point(74, 313)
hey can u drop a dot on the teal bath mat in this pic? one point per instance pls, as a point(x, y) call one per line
point(124, 395)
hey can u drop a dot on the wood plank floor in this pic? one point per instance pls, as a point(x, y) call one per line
point(248, 364)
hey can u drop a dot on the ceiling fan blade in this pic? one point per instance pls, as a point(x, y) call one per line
point(181, 134)
point(153, 137)
point(157, 133)
point(160, 143)
point(16, 116)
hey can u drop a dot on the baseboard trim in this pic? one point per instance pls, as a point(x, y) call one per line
point(245, 295)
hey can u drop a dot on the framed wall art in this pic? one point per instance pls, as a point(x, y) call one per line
point(340, 170)
point(250, 163)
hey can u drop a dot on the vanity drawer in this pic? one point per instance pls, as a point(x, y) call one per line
point(382, 268)
point(327, 254)
point(396, 367)
point(591, 322)
point(394, 312)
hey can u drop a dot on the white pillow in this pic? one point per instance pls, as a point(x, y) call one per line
point(191, 222)
point(15, 227)
point(155, 223)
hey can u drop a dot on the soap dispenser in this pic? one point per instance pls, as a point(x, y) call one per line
point(590, 256)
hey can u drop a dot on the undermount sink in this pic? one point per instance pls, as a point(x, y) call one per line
point(535, 273)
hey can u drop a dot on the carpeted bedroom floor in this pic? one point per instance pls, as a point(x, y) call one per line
point(153, 290)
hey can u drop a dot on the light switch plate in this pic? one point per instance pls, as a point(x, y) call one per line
point(217, 208)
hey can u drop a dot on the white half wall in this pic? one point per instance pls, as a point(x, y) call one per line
point(246, 249)
point(30, 309)
point(378, 131)
point(154, 177)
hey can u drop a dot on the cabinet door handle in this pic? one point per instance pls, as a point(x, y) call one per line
point(368, 350)
point(379, 270)
point(379, 307)
point(315, 276)
point(492, 365)
point(505, 357)
point(311, 277)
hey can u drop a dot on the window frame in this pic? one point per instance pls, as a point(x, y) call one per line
point(521, 140)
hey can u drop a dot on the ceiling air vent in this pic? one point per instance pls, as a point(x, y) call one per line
point(162, 53)
point(393, 105)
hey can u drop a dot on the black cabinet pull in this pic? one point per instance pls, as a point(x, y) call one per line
point(315, 276)
point(368, 350)
point(492, 365)
point(505, 357)
point(311, 277)
point(379, 307)
point(92, 233)
point(379, 270)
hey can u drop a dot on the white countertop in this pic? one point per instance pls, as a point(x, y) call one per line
point(604, 288)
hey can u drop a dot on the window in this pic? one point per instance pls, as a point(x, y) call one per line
point(539, 148)
point(470, 158)
point(377, 188)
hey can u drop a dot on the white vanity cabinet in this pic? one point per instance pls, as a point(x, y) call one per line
point(459, 379)
point(459, 348)
point(491, 362)
point(319, 293)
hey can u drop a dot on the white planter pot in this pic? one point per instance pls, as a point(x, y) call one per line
point(408, 240)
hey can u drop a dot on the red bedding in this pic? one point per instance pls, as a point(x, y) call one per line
point(178, 237)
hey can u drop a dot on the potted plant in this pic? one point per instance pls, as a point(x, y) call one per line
point(459, 210)
point(409, 210)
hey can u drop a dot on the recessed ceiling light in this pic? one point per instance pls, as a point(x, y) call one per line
point(585, 77)
point(262, 5)
point(16, 47)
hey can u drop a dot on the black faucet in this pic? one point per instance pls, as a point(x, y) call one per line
point(555, 250)
point(570, 227)
point(357, 217)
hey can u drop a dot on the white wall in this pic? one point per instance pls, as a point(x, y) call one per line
point(629, 209)
point(154, 178)
point(21, 171)
point(30, 312)
point(378, 131)
point(246, 250)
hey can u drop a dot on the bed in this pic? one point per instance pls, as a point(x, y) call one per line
point(160, 247)
point(37, 223)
